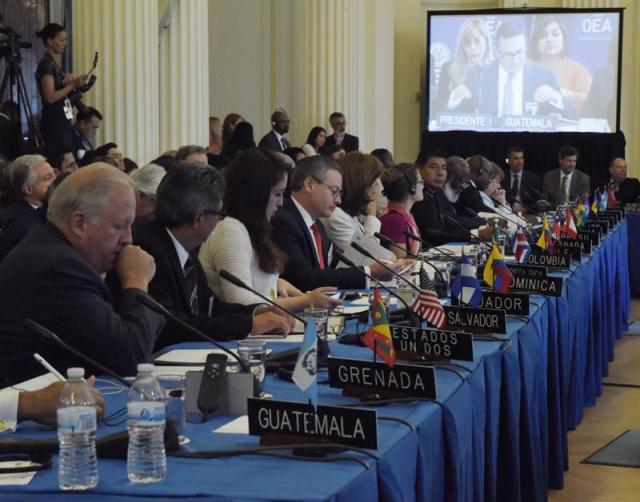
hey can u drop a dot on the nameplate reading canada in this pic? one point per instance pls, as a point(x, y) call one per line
point(492, 320)
point(408, 379)
point(348, 426)
point(569, 246)
point(436, 344)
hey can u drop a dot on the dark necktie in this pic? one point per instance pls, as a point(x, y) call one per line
point(318, 240)
point(516, 186)
point(191, 283)
point(285, 144)
point(564, 196)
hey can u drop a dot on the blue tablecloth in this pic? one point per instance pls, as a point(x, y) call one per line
point(497, 432)
point(633, 221)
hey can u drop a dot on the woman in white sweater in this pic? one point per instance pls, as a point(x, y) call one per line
point(361, 188)
point(241, 243)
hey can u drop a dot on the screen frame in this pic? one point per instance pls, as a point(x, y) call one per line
point(548, 10)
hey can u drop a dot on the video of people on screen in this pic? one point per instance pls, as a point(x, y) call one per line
point(533, 72)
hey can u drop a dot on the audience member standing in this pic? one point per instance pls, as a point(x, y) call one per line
point(88, 122)
point(241, 139)
point(275, 139)
point(340, 137)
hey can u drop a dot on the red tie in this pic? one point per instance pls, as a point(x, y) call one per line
point(318, 239)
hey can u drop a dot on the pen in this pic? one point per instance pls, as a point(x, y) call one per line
point(48, 367)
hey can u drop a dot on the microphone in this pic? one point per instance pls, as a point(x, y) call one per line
point(411, 255)
point(228, 276)
point(431, 247)
point(348, 262)
point(471, 212)
point(472, 238)
point(151, 303)
point(366, 253)
point(39, 329)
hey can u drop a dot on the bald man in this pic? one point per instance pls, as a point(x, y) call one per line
point(625, 189)
point(54, 277)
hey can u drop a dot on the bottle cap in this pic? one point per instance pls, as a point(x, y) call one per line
point(145, 368)
point(75, 373)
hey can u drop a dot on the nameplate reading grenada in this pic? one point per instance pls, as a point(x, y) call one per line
point(406, 379)
point(336, 424)
point(436, 344)
point(492, 320)
point(550, 261)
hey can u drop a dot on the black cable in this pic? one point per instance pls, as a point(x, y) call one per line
point(400, 420)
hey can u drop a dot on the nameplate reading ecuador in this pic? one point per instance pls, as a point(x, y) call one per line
point(436, 344)
point(406, 379)
point(550, 261)
point(571, 247)
point(511, 303)
point(492, 320)
point(336, 424)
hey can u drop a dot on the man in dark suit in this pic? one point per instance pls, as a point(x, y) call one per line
point(625, 189)
point(274, 139)
point(316, 187)
point(566, 183)
point(470, 201)
point(53, 277)
point(180, 226)
point(340, 137)
point(30, 177)
point(87, 123)
point(435, 214)
point(510, 85)
point(522, 188)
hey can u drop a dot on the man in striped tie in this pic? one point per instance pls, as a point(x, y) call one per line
point(182, 223)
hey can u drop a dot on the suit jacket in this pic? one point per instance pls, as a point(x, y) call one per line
point(290, 233)
point(530, 188)
point(435, 228)
point(552, 182)
point(470, 198)
point(228, 321)
point(629, 191)
point(483, 85)
point(270, 141)
point(81, 145)
point(14, 212)
point(14, 233)
point(349, 143)
point(47, 280)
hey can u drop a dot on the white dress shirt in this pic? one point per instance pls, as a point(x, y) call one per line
point(568, 186)
point(183, 254)
point(8, 409)
point(517, 90)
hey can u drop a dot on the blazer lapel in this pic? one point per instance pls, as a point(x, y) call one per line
point(174, 262)
point(311, 245)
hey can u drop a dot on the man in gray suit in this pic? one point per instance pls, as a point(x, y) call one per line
point(566, 183)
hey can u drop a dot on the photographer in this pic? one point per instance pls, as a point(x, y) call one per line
point(55, 87)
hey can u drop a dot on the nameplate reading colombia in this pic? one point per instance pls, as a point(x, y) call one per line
point(336, 424)
point(406, 379)
point(491, 320)
point(561, 261)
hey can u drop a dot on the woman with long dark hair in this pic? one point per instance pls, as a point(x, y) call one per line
point(241, 243)
point(317, 138)
point(241, 139)
point(55, 87)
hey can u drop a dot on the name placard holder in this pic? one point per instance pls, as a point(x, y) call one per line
point(431, 345)
point(476, 320)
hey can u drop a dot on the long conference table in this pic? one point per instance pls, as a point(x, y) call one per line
point(498, 430)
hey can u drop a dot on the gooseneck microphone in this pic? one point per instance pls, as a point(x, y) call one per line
point(472, 238)
point(228, 276)
point(366, 253)
point(39, 329)
point(449, 254)
point(151, 303)
point(389, 241)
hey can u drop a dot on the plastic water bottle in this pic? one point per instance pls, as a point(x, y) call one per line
point(146, 458)
point(78, 468)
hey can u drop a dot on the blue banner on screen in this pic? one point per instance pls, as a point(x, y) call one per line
point(539, 71)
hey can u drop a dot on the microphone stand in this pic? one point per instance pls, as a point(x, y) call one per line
point(472, 238)
point(448, 254)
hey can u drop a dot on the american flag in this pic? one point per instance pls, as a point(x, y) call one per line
point(427, 305)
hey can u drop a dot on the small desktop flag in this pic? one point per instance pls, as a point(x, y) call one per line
point(581, 214)
point(587, 210)
point(604, 199)
point(545, 242)
point(594, 204)
point(466, 286)
point(496, 274)
point(611, 201)
point(557, 226)
point(521, 247)
point(306, 369)
point(378, 337)
point(427, 305)
point(569, 227)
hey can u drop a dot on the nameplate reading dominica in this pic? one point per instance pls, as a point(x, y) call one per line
point(436, 345)
point(549, 286)
point(492, 320)
point(554, 261)
point(336, 424)
point(405, 379)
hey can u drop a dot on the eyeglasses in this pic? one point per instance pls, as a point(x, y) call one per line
point(335, 191)
point(220, 214)
point(512, 54)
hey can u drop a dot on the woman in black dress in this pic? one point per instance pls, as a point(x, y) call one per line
point(55, 87)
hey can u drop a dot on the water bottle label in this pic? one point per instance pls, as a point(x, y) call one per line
point(77, 419)
point(146, 412)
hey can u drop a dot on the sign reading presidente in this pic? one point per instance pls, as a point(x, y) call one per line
point(402, 379)
point(492, 320)
point(348, 426)
point(435, 344)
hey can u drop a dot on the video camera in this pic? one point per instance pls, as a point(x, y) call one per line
point(10, 44)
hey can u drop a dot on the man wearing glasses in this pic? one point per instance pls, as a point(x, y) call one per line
point(316, 190)
point(340, 137)
point(510, 86)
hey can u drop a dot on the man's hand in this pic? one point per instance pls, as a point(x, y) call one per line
point(135, 267)
point(266, 321)
point(319, 298)
point(380, 273)
point(546, 94)
point(41, 405)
